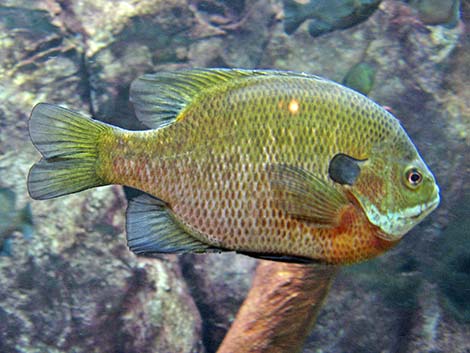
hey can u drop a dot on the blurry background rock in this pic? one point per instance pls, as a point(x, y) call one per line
point(74, 286)
point(219, 284)
point(437, 12)
point(360, 77)
point(326, 15)
point(13, 219)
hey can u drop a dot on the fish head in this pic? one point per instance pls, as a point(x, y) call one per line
point(395, 188)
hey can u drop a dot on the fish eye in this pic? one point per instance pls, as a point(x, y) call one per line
point(413, 177)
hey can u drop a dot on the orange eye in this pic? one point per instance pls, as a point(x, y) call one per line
point(414, 177)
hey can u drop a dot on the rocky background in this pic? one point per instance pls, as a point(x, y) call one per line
point(74, 287)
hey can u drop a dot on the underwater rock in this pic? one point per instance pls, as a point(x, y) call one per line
point(433, 329)
point(167, 35)
point(91, 293)
point(326, 15)
point(78, 288)
point(360, 78)
point(74, 286)
point(139, 37)
point(452, 273)
point(220, 13)
point(37, 60)
point(442, 321)
point(455, 99)
point(13, 220)
point(436, 12)
point(244, 43)
point(349, 320)
point(218, 290)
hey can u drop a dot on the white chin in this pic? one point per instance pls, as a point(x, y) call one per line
point(395, 225)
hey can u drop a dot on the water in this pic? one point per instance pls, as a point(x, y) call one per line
point(75, 287)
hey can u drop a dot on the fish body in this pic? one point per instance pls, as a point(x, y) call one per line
point(326, 15)
point(274, 164)
point(12, 219)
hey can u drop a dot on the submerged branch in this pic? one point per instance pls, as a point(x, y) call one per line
point(280, 308)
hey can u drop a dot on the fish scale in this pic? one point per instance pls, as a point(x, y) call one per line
point(245, 163)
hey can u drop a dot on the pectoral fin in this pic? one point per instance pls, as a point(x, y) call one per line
point(305, 196)
point(152, 228)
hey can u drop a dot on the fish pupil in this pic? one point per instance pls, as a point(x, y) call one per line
point(414, 177)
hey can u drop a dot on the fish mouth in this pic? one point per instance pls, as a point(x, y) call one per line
point(393, 225)
point(400, 224)
point(419, 211)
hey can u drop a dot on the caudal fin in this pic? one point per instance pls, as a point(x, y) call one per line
point(68, 142)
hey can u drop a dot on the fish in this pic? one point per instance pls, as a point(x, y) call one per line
point(273, 164)
point(326, 15)
point(13, 219)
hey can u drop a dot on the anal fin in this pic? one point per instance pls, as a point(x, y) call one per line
point(152, 229)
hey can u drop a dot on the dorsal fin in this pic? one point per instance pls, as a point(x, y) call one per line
point(159, 98)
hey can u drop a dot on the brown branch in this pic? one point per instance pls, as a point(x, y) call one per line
point(280, 308)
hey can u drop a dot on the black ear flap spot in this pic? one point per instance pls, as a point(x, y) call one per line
point(344, 169)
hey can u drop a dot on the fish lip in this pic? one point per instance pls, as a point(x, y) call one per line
point(414, 217)
point(423, 209)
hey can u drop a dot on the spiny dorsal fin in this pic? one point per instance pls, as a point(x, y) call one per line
point(152, 228)
point(159, 98)
point(304, 196)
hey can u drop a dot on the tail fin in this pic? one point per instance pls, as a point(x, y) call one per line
point(68, 142)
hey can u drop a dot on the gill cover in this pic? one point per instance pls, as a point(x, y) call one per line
point(385, 194)
point(344, 169)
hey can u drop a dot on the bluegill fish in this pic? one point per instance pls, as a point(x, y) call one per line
point(274, 164)
point(13, 219)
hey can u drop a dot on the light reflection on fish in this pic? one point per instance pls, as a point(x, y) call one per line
point(274, 164)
